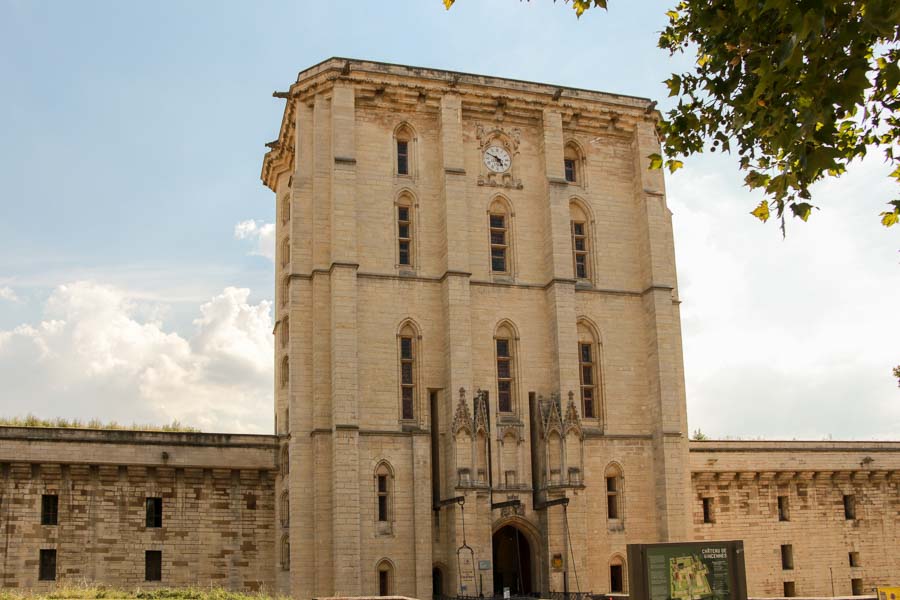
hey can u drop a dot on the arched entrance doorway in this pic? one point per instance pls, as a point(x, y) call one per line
point(512, 561)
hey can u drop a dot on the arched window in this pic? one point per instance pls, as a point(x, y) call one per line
point(385, 578)
point(499, 225)
point(285, 461)
point(285, 552)
point(286, 208)
point(581, 227)
point(505, 345)
point(285, 371)
point(285, 509)
point(573, 162)
point(615, 503)
point(285, 332)
point(285, 251)
point(404, 145)
point(408, 339)
point(285, 291)
point(384, 496)
point(617, 572)
point(589, 373)
point(405, 230)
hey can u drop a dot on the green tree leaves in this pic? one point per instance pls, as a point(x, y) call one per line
point(798, 89)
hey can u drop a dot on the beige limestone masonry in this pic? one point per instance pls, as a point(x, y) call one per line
point(360, 494)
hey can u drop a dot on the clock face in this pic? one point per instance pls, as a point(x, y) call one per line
point(497, 159)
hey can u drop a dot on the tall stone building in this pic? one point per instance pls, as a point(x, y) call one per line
point(477, 323)
point(478, 381)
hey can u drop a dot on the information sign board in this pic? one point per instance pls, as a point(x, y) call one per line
point(687, 571)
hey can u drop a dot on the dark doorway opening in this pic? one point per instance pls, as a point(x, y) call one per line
point(437, 582)
point(512, 561)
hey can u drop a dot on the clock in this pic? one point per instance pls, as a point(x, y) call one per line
point(497, 159)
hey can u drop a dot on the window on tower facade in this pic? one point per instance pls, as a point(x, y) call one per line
point(286, 208)
point(285, 251)
point(403, 150)
point(573, 161)
point(285, 371)
point(407, 373)
point(506, 369)
point(285, 332)
point(589, 371)
point(385, 578)
point(499, 243)
point(614, 496)
point(404, 235)
point(580, 249)
point(285, 552)
point(384, 491)
point(154, 512)
point(588, 380)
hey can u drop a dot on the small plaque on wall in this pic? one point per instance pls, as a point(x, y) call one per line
point(484, 565)
point(557, 563)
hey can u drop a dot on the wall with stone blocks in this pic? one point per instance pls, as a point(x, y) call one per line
point(217, 495)
point(745, 479)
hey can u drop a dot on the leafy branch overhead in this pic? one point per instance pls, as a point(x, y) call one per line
point(798, 89)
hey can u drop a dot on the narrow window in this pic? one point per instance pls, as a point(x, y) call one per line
point(849, 507)
point(285, 371)
point(407, 377)
point(854, 559)
point(154, 512)
point(612, 497)
point(616, 581)
point(402, 157)
point(580, 249)
point(382, 498)
point(153, 565)
point(783, 512)
point(285, 553)
point(787, 557)
point(707, 510)
point(285, 291)
point(285, 509)
point(856, 587)
point(587, 380)
point(404, 235)
point(286, 208)
point(285, 332)
point(49, 509)
point(285, 251)
point(570, 170)
point(789, 590)
point(504, 375)
point(47, 565)
point(499, 243)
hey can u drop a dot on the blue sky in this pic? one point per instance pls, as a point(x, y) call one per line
point(131, 139)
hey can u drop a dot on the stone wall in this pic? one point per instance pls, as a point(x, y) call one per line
point(218, 507)
point(745, 479)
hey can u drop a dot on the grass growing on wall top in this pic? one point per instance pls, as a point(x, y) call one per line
point(84, 592)
point(33, 421)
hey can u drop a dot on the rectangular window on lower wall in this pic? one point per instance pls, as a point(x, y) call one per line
point(49, 509)
point(47, 568)
point(789, 589)
point(856, 587)
point(153, 565)
point(154, 512)
point(787, 556)
point(616, 581)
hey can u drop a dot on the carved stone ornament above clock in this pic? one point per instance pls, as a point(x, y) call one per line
point(498, 148)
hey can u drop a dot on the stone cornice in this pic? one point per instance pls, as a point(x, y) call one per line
point(587, 112)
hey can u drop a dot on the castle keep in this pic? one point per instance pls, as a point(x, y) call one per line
point(479, 381)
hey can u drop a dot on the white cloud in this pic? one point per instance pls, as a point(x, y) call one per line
point(7, 293)
point(795, 337)
point(263, 234)
point(94, 355)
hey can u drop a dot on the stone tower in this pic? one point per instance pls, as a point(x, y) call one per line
point(479, 378)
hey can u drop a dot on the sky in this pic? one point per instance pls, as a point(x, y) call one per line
point(136, 239)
